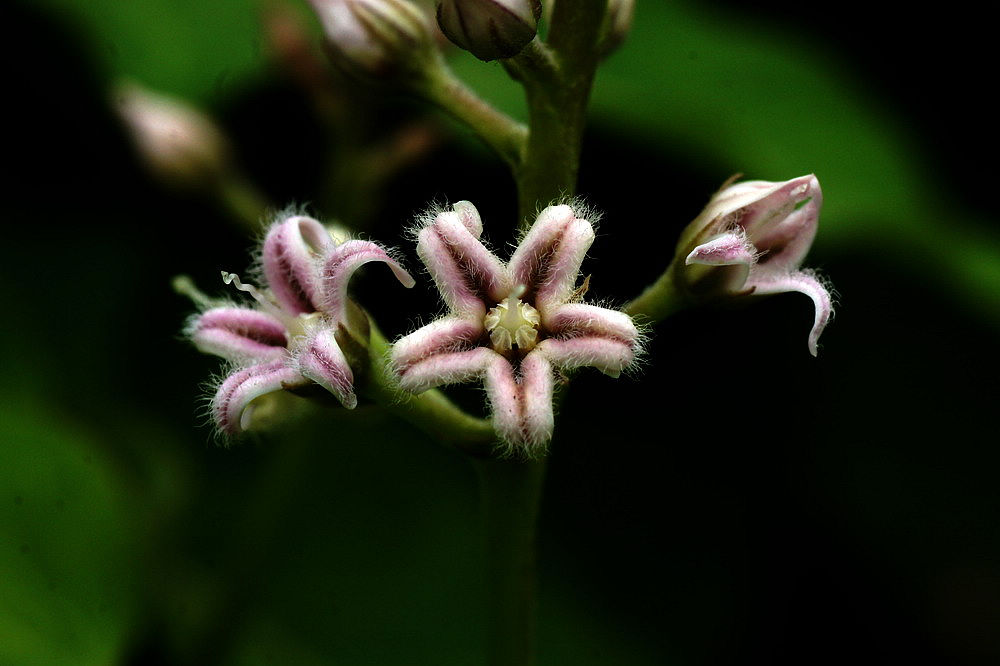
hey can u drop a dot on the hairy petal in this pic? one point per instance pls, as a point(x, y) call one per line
point(608, 355)
point(536, 401)
point(804, 282)
point(729, 249)
point(547, 261)
point(465, 272)
point(521, 407)
point(339, 264)
point(503, 394)
point(321, 360)
point(449, 334)
point(239, 389)
point(289, 257)
point(446, 368)
point(239, 333)
point(582, 319)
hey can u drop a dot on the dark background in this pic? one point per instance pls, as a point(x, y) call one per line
point(736, 502)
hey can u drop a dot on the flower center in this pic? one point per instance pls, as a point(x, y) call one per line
point(301, 325)
point(513, 323)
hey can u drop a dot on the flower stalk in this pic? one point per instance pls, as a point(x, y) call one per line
point(557, 79)
point(510, 495)
point(507, 137)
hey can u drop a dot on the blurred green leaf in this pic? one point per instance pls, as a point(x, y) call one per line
point(187, 47)
point(65, 583)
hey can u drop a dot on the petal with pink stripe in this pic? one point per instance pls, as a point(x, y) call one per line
point(608, 355)
point(289, 261)
point(321, 360)
point(446, 335)
point(446, 368)
point(521, 406)
point(239, 333)
point(582, 319)
point(547, 261)
point(239, 389)
point(340, 263)
point(467, 274)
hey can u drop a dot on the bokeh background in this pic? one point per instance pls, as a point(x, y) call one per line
point(737, 502)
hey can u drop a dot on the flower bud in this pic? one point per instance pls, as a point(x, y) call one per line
point(490, 29)
point(374, 38)
point(751, 239)
point(177, 142)
point(616, 25)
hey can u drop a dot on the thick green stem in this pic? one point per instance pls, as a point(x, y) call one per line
point(557, 78)
point(510, 493)
point(660, 299)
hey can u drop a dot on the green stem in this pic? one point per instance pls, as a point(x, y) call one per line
point(242, 200)
point(660, 299)
point(510, 493)
point(431, 411)
point(557, 79)
point(502, 133)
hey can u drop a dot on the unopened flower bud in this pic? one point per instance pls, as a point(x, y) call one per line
point(616, 25)
point(178, 143)
point(751, 239)
point(490, 29)
point(374, 38)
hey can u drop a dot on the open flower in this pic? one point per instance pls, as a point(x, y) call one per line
point(290, 338)
point(512, 325)
point(752, 238)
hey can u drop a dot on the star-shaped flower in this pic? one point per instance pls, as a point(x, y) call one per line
point(289, 339)
point(512, 325)
point(752, 238)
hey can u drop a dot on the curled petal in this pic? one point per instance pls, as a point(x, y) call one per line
point(465, 272)
point(608, 355)
point(446, 335)
point(726, 250)
point(547, 261)
point(582, 319)
point(339, 265)
point(289, 256)
point(321, 360)
point(804, 282)
point(446, 368)
point(239, 333)
point(521, 407)
point(469, 215)
point(239, 389)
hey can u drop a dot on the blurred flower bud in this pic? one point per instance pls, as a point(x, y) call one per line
point(616, 25)
point(751, 239)
point(490, 29)
point(178, 143)
point(374, 38)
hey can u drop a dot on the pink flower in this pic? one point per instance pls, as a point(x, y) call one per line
point(512, 325)
point(752, 238)
point(290, 338)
